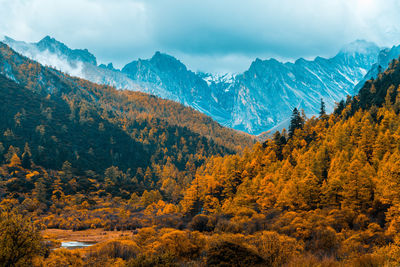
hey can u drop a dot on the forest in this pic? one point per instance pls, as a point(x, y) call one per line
point(75, 155)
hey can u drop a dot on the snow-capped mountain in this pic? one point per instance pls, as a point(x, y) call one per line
point(260, 99)
point(167, 77)
point(76, 62)
point(266, 94)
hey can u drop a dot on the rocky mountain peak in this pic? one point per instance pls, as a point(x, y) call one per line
point(360, 47)
point(57, 47)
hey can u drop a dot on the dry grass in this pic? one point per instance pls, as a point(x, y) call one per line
point(90, 235)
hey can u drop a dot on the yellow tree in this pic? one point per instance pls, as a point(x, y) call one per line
point(388, 180)
point(358, 188)
point(20, 240)
point(15, 161)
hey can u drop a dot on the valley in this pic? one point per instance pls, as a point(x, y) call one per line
point(199, 133)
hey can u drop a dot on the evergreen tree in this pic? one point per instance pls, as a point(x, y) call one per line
point(339, 108)
point(40, 191)
point(10, 153)
point(26, 157)
point(2, 149)
point(322, 111)
point(280, 141)
point(296, 122)
point(67, 170)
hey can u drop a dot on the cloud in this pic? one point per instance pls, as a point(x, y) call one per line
point(107, 28)
point(211, 35)
point(286, 27)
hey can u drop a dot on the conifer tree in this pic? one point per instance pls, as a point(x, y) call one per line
point(339, 108)
point(67, 170)
point(380, 69)
point(280, 141)
point(296, 122)
point(10, 153)
point(322, 111)
point(26, 157)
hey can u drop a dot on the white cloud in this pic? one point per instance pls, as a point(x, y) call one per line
point(218, 34)
point(50, 59)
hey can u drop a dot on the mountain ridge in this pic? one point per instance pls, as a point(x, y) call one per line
point(254, 101)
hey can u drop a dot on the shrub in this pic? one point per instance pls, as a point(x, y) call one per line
point(229, 254)
point(124, 249)
point(20, 240)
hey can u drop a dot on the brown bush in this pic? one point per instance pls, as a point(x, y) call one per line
point(124, 249)
point(229, 254)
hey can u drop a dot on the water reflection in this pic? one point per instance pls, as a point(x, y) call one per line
point(75, 244)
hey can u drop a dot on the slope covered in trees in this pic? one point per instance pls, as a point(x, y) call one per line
point(133, 105)
point(333, 185)
point(61, 119)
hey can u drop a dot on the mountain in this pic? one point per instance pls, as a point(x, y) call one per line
point(94, 127)
point(262, 98)
point(75, 62)
point(266, 94)
point(255, 101)
point(52, 46)
point(384, 58)
point(167, 77)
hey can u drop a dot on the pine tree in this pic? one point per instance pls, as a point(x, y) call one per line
point(322, 111)
point(40, 191)
point(1, 151)
point(339, 108)
point(296, 122)
point(67, 170)
point(280, 141)
point(26, 157)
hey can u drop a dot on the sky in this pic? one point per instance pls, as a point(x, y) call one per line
point(207, 35)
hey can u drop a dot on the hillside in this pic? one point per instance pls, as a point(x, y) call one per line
point(25, 71)
point(333, 186)
point(69, 122)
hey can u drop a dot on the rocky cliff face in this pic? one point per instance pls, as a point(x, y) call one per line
point(384, 58)
point(269, 90)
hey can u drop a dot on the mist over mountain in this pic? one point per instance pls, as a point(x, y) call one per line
point(258, 100)
point(385, 56)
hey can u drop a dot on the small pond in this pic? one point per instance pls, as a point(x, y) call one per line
point(75, 244)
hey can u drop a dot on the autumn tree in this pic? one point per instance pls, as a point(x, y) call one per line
point(20, 240)
point(15, 161)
